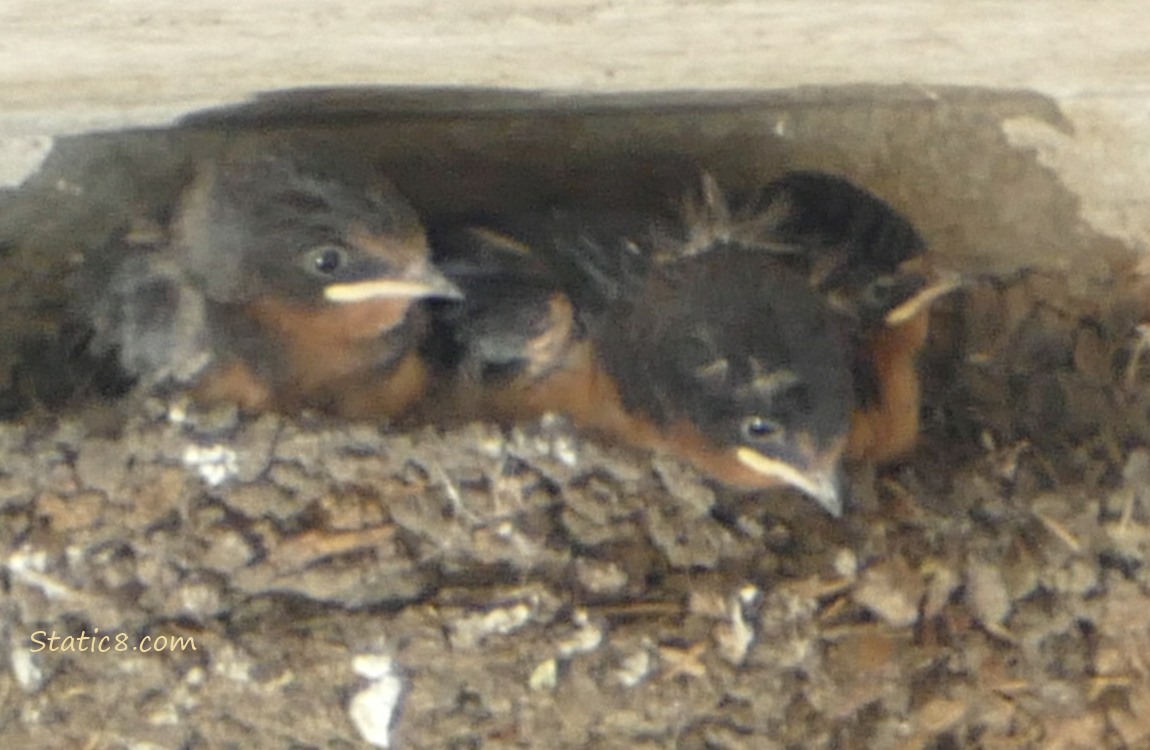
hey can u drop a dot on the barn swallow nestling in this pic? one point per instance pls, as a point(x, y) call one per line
point(278, 288)
point(762, 347)
point(514, 323)
point(739, 366)
point(525, 309)
point(869, 263)
point(726, 359)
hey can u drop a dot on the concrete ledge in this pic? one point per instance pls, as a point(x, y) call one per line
point(1077, 76)
point(66, 67)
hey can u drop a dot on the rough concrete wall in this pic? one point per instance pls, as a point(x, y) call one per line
point(69, 68)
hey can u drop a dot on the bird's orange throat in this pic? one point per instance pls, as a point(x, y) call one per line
point(889, 429)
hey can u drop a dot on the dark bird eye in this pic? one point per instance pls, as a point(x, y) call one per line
point(327, 259)
point(758, 428)
point(880, 293)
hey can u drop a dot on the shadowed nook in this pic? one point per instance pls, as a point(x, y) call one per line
point(984, 593)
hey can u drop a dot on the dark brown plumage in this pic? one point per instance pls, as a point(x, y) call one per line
point(764, 345)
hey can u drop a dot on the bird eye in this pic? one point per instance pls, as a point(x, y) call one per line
point(758, 428)
point(880, 293)
point(326, 259)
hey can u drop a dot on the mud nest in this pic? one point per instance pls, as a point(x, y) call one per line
point(484, 586)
